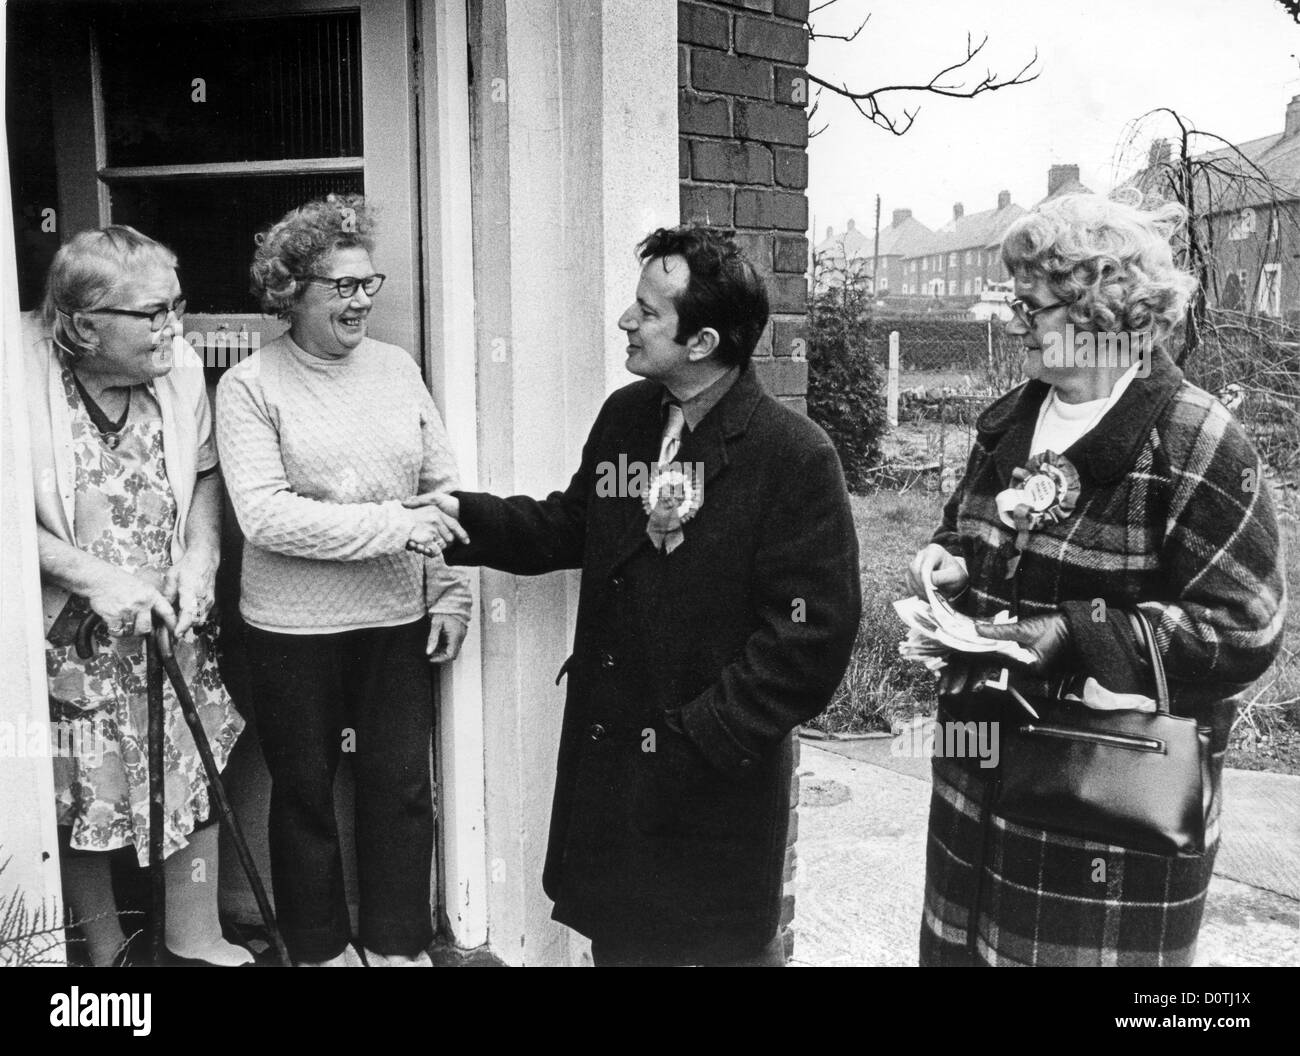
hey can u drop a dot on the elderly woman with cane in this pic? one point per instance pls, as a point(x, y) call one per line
point(323, 432)
point(128, 500)
point(1119, 515)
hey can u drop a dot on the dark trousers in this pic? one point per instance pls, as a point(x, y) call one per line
point(617, 952)
point(367, 692)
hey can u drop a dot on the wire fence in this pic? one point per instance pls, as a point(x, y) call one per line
point(952, 369)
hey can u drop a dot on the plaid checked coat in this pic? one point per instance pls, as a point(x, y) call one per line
point(1174, 516)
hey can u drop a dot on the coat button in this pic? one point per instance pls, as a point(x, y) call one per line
point(616, 582)
point(595, 731)
point(747, 762)
point(606, 660)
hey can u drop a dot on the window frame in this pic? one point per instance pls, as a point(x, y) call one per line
point(1268, 298)
point(387, 163)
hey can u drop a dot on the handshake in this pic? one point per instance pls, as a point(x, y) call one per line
point(437, 523)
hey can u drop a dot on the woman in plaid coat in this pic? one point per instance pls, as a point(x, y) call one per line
point(1172, 515)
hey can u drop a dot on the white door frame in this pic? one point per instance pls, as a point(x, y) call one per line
point(28, 839)
point(451, 373)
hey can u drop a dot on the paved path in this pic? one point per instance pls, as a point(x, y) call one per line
point(862, 822)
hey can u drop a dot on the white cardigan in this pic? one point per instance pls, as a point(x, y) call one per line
point(187, 439)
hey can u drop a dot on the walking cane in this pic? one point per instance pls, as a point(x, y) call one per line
point(157, 805)
point(76, 625)
point(161, 658)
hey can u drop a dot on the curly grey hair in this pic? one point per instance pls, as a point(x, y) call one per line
point(1109, 260)
point(293, 248)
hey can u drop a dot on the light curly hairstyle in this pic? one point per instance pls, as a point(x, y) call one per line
point(87, 272)
point(294, 247)
point(1110, 260)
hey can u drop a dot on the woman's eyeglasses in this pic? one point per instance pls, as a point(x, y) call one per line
point(347, 286)
point(1027, 315)
point(157, 318)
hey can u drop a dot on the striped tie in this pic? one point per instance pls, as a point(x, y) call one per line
point(672, 434)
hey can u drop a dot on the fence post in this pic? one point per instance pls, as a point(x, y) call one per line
point(988, 323)
point(891, 387)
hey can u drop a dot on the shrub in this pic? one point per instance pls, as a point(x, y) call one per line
point(846, 388)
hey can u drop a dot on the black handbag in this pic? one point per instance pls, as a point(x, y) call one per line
point(1132, 779)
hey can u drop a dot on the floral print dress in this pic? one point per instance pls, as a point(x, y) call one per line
point(125, 515)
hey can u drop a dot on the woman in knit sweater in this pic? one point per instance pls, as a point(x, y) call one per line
point(323, 432)
point(1170, 515)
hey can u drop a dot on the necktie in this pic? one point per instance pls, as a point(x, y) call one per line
point(664, 528)
point(672, 434)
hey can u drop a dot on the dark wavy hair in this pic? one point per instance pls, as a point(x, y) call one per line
point(724, 291)
point(294, 247)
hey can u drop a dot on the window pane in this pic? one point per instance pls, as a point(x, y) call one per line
point(251, 90)
point(210, 224)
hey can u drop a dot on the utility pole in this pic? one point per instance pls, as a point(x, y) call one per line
point(875, 257)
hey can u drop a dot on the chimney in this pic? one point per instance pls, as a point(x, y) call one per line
point(1292, 117)
point(1059, 175)
point(830, 232)
point(852, 225)
point(1159, 153)
point(1004, 199)
point(900, 215)
point(957, 211)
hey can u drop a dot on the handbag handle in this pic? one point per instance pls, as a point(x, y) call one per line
point(1148, 636)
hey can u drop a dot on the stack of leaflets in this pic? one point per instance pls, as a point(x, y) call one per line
point(936, 629)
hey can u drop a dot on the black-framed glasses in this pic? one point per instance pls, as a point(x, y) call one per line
point(157, 318)
point(1027, 315)
point(347, 286)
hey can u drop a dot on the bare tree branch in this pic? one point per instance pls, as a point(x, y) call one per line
point(814, 35)
point(868, 103)
point(817, 102)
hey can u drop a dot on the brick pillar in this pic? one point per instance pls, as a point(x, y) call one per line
point(742, 90)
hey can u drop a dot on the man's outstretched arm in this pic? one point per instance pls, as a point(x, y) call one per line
point(522, 535)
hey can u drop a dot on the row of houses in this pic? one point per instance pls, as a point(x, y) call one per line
point(1248, 197)
point(960, 259)
point(1251, 230)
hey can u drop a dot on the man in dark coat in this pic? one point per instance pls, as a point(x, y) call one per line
point(701, 642)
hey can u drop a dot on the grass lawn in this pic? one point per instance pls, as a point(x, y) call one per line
point(880, 687)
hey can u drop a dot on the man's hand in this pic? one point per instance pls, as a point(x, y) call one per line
point(446, 635)
point(190, 586)
point(128, 603)
point(1047, 637)
point(437, 524)
point(949, 573)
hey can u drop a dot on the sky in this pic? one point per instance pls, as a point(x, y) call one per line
point(1230, 66)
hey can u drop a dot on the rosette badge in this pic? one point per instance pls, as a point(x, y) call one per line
point(1044, 492)
point(674, 495)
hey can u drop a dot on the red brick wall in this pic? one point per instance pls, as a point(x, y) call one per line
point(741, 94)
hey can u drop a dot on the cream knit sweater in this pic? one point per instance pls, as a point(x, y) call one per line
point(317, 455)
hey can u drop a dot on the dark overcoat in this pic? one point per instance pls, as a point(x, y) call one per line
point(741, 633)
